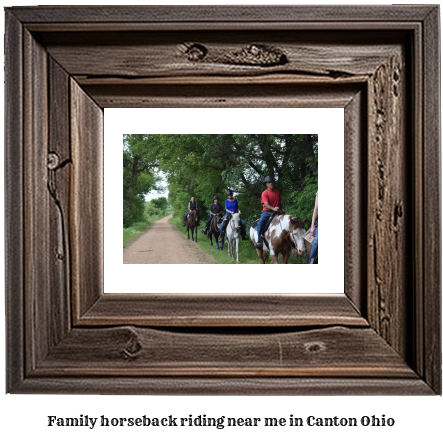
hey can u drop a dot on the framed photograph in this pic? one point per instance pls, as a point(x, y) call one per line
point(163, 245)
point(65, 65)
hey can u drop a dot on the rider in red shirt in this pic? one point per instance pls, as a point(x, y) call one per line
point(271, 200)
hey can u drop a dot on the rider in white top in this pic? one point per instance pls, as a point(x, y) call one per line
point(314, 231)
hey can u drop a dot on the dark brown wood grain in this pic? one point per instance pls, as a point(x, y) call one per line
point(244, 310)
point(14, 239)
point(64, 65)
point(222, 14)
point(355, 218)
point(167, 385)
point(59, 169)
point(431, 316)
point(388, 230)
point(167, 54)
point(129, 351)
point(86, 199)
point(227, 95)
point(38, 256)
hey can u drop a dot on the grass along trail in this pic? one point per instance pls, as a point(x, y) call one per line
point(246, 255)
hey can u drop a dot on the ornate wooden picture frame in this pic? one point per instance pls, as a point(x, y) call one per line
point(64, 65)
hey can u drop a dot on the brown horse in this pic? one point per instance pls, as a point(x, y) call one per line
point(284, 232)
point(191, 223)
point(214, 229)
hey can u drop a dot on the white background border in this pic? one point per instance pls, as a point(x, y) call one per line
point(328, 123)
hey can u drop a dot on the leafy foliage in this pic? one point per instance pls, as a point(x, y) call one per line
point(204, 165)
point(139, 174)
point(156, 207)
point(160, 203)
point(208, 164)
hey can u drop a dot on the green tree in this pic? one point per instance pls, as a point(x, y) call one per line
point(140, 162)
point(204, 165)
point(207, 165)
point(160, 203)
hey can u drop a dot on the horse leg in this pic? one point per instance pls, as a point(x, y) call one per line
point(188, 233)
point(196, 232)
point(286, 257)
point(274, 258)
point(238, 241)
point(260, 254)
point(210, 238)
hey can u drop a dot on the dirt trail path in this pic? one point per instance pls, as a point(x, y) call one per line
point(164, 244)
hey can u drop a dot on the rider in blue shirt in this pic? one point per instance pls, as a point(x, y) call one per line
point(231, 207)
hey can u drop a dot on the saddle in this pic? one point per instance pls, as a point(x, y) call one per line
point(266, 226)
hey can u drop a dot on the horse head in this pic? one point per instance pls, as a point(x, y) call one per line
point(218, 222)
point(296, 231)
point(235, 221)
point(192, 217)
point(215, 224)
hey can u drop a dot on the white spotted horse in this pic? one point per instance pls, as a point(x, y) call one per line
point(284, 233)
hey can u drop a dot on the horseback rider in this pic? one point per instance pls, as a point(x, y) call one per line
point(231, 207)
point(214, 210)
point(271, 200)
point(314, 232)
point(192, 205)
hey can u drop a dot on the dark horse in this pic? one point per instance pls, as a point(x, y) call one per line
point(214, 229)
point(191, 223)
